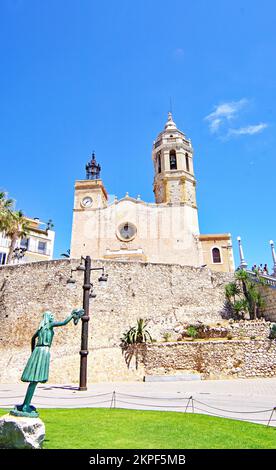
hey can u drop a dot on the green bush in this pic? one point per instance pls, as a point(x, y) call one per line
point(192, 332)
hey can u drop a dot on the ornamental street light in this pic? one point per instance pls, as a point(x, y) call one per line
point(273, 257)
point(19, 253)
point(88, 293)
point(243, 263)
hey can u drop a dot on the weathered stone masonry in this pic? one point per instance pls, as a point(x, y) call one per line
point(212, 359)
point(167, 295)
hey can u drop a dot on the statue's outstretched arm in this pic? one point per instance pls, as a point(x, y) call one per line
point(75, 314)
point(64, 322)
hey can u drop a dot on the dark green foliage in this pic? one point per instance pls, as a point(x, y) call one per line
point(192, 332)
point(243, 295)
point(137, 334)
point(272, 333)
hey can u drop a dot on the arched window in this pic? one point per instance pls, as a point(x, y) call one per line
point(216, 255)
point(187, 162)
point(159, 162)
point(173, 162)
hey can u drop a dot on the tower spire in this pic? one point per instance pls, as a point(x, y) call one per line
point(170, 124)
point(93, 169)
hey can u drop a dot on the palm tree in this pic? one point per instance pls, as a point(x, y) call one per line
point(15, 228)
point(252, 295)
point(232, 290)
point(6, 206)
point(66, 255)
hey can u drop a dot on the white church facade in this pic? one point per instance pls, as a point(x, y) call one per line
point(166, 231)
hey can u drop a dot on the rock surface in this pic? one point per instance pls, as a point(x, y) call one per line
point(21, 433)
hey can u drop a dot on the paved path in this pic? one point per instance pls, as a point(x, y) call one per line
point(250, 400)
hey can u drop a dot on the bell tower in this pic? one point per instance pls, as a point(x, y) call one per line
point(172, 155)
point(90, 193)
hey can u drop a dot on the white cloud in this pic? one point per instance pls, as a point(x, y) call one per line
point(223, 113)
point(248, 130)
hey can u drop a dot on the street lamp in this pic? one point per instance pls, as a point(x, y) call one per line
point(88, 293)
point(19, 253)
point(243, 263)
point(273, 257)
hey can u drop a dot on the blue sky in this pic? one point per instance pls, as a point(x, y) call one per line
point(78, 76)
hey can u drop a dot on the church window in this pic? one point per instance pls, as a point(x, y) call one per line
point(2, 258)
point(216, 255)
point(127, 231)
point(187, 162)
point(173, 162)
point(159, 163)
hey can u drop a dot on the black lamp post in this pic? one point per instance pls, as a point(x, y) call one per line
point(87, 294)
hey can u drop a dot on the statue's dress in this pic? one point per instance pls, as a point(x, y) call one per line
point(37, 367)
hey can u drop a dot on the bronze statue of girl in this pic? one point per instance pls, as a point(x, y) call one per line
point(37, 367)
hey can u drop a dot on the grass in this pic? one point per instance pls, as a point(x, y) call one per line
point(98, 428)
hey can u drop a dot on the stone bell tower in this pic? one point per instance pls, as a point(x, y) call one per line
point(90, 198)
point(172, 155)
point(90, 193)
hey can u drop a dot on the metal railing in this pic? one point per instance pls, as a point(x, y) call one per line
point(187, 404)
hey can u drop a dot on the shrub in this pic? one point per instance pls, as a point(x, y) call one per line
point(243, 295)
point(167, 336)
point(137, 334)
point(192, 332)
point(272, 333)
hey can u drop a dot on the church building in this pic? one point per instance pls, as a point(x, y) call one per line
point(166, 231)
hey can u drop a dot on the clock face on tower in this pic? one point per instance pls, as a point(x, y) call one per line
point(86, 201)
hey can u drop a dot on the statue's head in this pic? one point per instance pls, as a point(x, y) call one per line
point(47, 318)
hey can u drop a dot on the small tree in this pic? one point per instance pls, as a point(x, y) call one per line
point(244, 296)
point(16, 227)
point(232, 290)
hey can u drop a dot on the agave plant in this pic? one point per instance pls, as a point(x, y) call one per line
point(137, 334)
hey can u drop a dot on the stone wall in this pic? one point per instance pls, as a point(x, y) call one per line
point(219, 359)
point(258, 329)
point(167, 295)
point(269, 295)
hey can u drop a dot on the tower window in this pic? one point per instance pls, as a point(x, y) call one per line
point(158, 163)
point(187, 162)
point(173, 162)
point(216, 255)
point(3, 258)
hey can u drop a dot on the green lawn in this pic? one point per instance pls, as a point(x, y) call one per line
point(94, 428)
